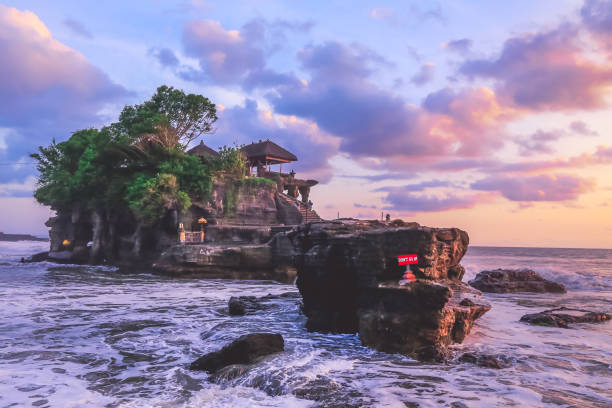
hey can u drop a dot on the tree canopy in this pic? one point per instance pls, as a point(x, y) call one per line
point(137, 163)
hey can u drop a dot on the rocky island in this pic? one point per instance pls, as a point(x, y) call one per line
point(133, 195)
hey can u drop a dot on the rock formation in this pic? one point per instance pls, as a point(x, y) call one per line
point(246, 349)
point(563, 317)
point(512, 281)
point(348, 276)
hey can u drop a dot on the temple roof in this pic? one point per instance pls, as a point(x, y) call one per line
point(267, 150)
point(202, 150)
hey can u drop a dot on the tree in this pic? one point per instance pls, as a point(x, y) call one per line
point(150, 198)
point(185, 116)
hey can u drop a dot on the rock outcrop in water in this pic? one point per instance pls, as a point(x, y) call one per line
point(244, 305)
point(246, 349)
point(563, 317)
point(513, 281)
point(348, 276)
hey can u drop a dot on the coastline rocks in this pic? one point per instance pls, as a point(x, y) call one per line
point(563, 316)
point(246, 349)
point(348, 276)
point(513, 281)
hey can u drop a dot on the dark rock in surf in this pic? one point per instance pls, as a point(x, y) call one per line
point(38, 257)
point(246, 349)
point(244, 305)
point(513, 281)
point(485, 360)
point(563, 317)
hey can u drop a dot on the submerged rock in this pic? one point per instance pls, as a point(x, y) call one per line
point(514, 280)
point(563, 316)
point(246, 349)
point(485, 360)
point(243, 305)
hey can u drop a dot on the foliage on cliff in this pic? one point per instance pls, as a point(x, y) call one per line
point(137, 163)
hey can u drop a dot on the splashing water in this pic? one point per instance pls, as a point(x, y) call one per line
point(79, 336)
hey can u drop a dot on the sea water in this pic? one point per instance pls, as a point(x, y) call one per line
point(82, 336)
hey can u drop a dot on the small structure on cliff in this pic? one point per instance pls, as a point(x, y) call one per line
point(202, 150)
point(265, 153)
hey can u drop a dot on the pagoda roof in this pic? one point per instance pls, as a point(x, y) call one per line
point(202, 150)
point(267, 150)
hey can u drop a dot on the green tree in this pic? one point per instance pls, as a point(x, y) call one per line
point(150, 198)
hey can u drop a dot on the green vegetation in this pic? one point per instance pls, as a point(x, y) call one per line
point(139, 162)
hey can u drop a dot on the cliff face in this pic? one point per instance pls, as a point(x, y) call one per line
point(348, 276)
point(115, 236)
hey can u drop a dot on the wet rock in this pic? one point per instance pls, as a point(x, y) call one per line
point(230, 372)
point(485, 360)
point(514, 280)
point(563, 317)
point(243, 305)
point(38, 257)
point(246, 349)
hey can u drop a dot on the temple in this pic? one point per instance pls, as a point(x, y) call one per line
point(260, 157)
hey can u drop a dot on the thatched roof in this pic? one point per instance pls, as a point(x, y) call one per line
point(267, 151)
point(202, 150)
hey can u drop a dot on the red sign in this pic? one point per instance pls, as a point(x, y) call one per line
point(407, 259)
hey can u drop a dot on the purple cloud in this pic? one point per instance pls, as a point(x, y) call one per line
point(545, 71)
point(60, 93)
point(78, 28)
point(460, 46)
point(536, 188)
point(597, 17)
point(401, 199)
point(237, 56)
point(164, 56)
point(539, 142)
point(424, 76)
point(582, 128)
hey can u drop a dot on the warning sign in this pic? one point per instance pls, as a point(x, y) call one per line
point(407, 259)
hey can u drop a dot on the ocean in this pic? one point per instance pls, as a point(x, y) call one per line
point(83, 336)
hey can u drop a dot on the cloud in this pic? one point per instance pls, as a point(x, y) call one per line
point(460, 46)
point(78, 28)
point(582, 128)
point(19, 189)
point(536, 188)
point(538, 142)
point(545, 71)
point(246, 124)
point(46, 88)
point(425, 74)
point(225, 55)
point(601, 156)
point(237, 56)
point(414, 187)
point(402, 199)
point(357, 205)
point(597, 18)
point(164, 56)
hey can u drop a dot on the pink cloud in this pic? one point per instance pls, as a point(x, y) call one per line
point(545, 71)
point(536, 188)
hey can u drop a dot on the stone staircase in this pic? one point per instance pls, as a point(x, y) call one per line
point(307, 215)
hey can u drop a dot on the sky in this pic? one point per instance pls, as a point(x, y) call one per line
point(494, 117)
